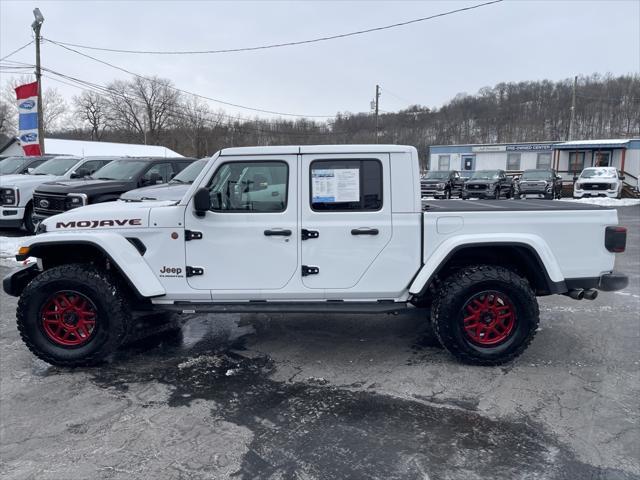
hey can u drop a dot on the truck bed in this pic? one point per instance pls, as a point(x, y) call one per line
point(442, 206)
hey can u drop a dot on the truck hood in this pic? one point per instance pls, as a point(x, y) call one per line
point(21, 179)
point(165, 191)
point(89, 186)
point(104, 216)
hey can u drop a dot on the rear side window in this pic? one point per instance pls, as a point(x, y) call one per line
point(346, 185)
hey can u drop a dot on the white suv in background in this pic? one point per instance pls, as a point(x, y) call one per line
point(598, 181)
point(16, 191)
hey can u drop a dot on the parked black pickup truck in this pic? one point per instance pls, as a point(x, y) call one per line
point(441, 184)
point(539, 183)
point(488, 184)
point(105, 185)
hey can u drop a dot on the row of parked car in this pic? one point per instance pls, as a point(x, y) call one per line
point(34, 188)
point(538, 183)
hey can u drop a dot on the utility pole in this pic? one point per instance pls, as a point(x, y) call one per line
point(36, 25)
point(572, 119)
point(377, 100)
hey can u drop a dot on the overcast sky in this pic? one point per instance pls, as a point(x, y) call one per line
point(426, 63)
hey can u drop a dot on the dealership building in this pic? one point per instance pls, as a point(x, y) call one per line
point(567, 158)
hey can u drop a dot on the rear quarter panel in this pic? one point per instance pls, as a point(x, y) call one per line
point(569, 243)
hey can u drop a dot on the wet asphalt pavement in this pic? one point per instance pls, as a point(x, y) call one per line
point(335, 396)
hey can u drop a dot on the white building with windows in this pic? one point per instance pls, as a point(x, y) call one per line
point(567, 158)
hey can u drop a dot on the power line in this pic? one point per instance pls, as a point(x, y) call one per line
point(236, 105)
point(104, 91)
point(286, 44)
point(16, 50)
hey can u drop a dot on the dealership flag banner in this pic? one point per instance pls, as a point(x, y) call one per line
point(28, 118)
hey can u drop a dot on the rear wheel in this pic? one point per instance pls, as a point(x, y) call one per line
point(73, 315)
point(485, 315)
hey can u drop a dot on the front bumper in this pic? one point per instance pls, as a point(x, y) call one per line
point(595, 193)
point(478, 193)
point(11, 217)
point(14, 283)
point(609, 282)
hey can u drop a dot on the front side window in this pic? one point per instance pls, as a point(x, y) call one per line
point(259, 187)
point(444, 162)
point(346, 185)
point(544, 161)
point(159, 173)
point(513, 161)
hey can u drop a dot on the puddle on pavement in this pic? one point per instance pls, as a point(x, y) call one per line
point(313, 430)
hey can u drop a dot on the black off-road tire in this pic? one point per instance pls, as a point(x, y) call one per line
point(447, 313)
point(113, 314)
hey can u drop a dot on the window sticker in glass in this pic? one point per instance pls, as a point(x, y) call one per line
point(335, 185)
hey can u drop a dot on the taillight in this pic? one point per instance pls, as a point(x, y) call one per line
point(615, 239)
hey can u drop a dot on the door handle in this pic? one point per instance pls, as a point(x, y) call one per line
point(364, 231)
point(277, 233)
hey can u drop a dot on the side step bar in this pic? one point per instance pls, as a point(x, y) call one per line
point(285, 307)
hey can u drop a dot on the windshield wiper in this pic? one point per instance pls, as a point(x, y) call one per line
point(105, 178)
point(176, 180)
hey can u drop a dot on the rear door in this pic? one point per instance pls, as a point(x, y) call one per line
point(345, 217)
point(249, 238)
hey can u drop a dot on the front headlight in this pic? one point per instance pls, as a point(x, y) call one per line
point(75, 200)
point(578, 185)
point(9, 196)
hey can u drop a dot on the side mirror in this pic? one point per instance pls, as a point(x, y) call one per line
point(201, 202)
point(622, 177)
point(80, 173)
point(30, 170)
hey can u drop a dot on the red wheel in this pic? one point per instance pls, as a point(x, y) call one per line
point(69, 318)
point(488, 318)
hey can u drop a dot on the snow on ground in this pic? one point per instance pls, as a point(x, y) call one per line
point(606, 202)
point(8, 249)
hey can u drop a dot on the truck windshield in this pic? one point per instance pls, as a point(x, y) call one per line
point(56, 166)
point(598, 172)
point(485, 175)
point(189, 174)
point(438, 175)
point(536, 175)
point(12, 164)
point(120, 170)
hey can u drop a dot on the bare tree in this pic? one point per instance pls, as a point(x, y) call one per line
point(146, 106)
point(91, 109)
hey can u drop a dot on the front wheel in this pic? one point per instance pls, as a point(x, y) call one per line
point(485, 315)
point(29, 224)
point(73, 315)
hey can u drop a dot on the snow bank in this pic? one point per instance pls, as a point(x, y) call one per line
point(605, 201)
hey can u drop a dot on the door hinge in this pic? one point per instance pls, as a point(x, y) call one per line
point(307, 234)
point(192, 235)
point(308, 270)
point(194, 271)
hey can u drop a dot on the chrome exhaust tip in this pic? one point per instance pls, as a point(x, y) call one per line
point(591, 294)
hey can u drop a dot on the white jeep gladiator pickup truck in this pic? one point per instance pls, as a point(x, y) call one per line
point(311, 228)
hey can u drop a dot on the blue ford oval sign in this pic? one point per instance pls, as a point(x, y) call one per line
point(27, 104)
point(29, 137)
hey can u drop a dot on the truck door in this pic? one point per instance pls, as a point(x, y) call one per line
point(249, 238)
point(345, 217)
